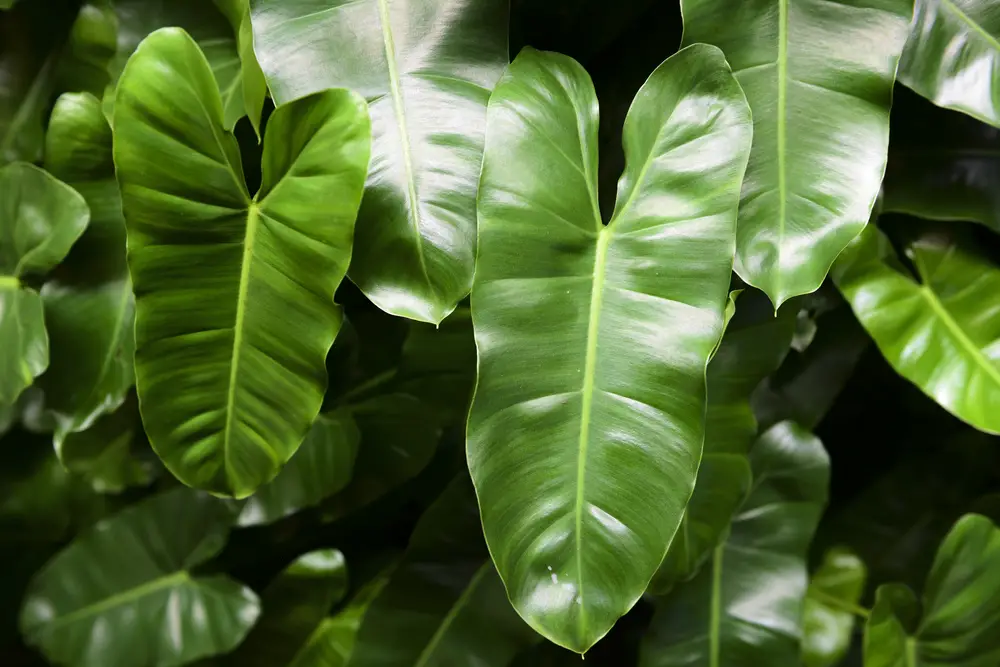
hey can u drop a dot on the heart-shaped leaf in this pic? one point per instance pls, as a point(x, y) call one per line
point(586, 430)
point(234, 295)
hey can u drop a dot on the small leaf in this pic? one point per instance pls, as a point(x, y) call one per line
point(132, 573)
point(834, 592)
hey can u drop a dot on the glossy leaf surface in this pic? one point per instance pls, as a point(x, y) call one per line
point(132, 571)
point(583, 471)
point(427, 68)
point(444, 604)
point(818, 76)
point(40, 219)
point(834, 592)
point(961, 607)
point(234, 296)
point(745, 609)
point(940, 333)
point(89, 309)
point(321, 467)
point(953, 56)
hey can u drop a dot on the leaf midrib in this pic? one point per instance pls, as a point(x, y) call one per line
point(959, 334)
point(452, 614)
point(128, 595)
point(782, 120)
point(404, 137)
point(978, 29)
point(715, 610)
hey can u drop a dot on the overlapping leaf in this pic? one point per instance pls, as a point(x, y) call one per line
point(818, 76)
point(830, 609)
point(745, 610)
point(940, 333)
point(427, 68)
point(953, 56)
point(586, 431)
point(234, 295)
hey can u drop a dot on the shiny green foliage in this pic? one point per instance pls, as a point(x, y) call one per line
point(494, 333)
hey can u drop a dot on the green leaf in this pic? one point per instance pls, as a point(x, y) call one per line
point(831, 604)
point(40, 219)
point(294, 605)
point(939, 333)
point(123, 595)
point(746, 608)
point(445, 603)
point(953, 56)
point(321, 467)
point(92, 44)
point(945, 168)
point(89, 307)
point(427, 68)
point(586, 430)
point(819, 81)
point(229, 390)
point(753, 346)
point(960, 625)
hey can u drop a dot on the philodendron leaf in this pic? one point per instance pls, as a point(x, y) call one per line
point(444, 604)
point(583, 471)
point(123, 594)
point(321, 467)
point(940, 333)
point(40, 219)
point(427, 68)
point(89, 308)
point(834, 592)
point(960, 624)
point(819, 78)
point(293, 605)
point(240, 78)
point(953, 56)
point(753, 346)
point(234, 295)
point(745, 609)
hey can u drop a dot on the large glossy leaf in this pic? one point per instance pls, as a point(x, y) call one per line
point(321, 467)
point(444, 604)
point(427, 68)
point(939, 333)
point(831, 607)
point(40, 219)
point(583, 470)
point(960, 624)
point(945, 167)
point(234, 295)
point(253, 87)
point(745, 610)
point(123, 595)
point(293, 605)
point(953, 56)
point(89, 308)
point(753, 346)
point(818, 76)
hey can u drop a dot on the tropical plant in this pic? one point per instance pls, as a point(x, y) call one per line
point(448, 333)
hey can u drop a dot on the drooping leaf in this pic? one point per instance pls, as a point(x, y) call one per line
point(753, 346)
point(40, 219)
point(745, 609)
point(89, 307)
point(960, 623)
point(945, 167)
point(321, 467)
point(293, 605)
point(818, 76)
point(123, 595)
point(941, 333)
point(587, 425)
point(834, 590)
point(445, 603)
point(229, 389)
point(427, 68)
point(953, 56)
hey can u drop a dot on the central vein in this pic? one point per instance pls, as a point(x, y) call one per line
point(716, 609)
point(782, 104)
point(587, 393)
point(404, 136)
point(253, 219)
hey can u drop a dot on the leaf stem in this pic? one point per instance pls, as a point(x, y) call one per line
point(838, 604)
